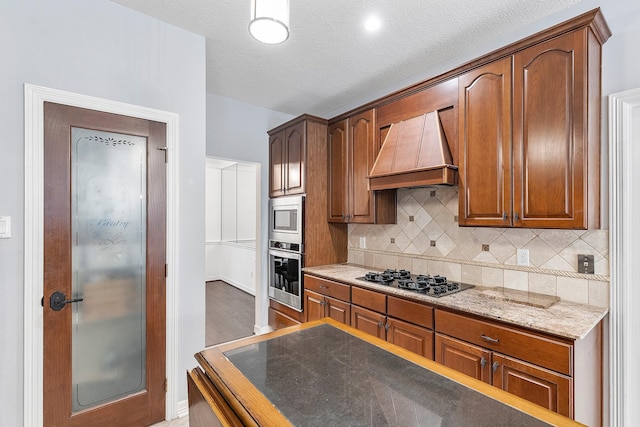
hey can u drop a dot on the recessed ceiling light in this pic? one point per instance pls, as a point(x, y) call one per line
point(372, 23)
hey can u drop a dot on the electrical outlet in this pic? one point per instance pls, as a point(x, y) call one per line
point(585, 264)
point(523, 256)
point(363, 242)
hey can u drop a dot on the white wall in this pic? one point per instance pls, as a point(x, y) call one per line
point(236, 130)
point(231, 211)
point(100, 49)
point(213, 230)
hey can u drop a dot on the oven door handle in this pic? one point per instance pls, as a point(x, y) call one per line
point(286, 254)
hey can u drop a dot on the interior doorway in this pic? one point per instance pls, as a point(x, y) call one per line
point(35, 97)
point(232, 242)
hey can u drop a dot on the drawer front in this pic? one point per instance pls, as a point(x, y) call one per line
point(279, 320)
point(547, 352)
point(410, 311)
point(328, 287)
point(369, 299)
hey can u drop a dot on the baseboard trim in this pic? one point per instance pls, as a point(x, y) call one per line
point(183, 409)
point(233, 283)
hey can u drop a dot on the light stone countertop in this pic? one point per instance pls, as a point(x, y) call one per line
point(564, 319)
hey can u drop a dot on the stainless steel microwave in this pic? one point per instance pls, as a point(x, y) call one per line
point(286, 219)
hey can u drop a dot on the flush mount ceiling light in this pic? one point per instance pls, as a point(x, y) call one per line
point(269, 20)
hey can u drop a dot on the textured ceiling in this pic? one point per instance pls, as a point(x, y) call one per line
point(329, 60)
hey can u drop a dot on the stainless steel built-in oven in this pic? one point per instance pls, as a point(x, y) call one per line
point(286, 219)
point(285, 273)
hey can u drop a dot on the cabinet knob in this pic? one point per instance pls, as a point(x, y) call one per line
point(380, 325)
point(489, 339)
point(483, 362)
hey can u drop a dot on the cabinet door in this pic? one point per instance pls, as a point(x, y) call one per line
point(485, 145)
point(276, 164)
point(313, 306)
point(411, 337)
point(463, 357)
point(541, 386)
point(338, 193)
point(362, 155)
point(550, 134)
point(368, 321)
point(338, 310)
point(295, 149)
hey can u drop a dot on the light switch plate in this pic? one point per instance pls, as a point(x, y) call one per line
point(5, 227)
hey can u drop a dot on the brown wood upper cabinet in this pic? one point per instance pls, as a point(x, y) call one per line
point(530, 137)
point(288, 154)
point(352, 152)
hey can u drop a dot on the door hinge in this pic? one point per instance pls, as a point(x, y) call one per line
point(166, 386)
point(166, 155)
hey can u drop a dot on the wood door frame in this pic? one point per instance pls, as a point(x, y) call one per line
point(34, 99)
point(623, 108)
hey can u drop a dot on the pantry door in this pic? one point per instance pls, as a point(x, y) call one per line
point(104, 268)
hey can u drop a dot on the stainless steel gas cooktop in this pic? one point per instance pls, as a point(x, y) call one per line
point(435, 286)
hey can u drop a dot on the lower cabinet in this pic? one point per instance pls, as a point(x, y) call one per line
point(326, 298)
point(561, 375)
point(463, 357)
point(404, 323)
point(369, 321)
point(411, 337)
point(538, 385)
point(318, 306)
point(281, 316)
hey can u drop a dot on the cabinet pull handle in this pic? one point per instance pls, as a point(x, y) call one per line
point(517, 217)
point(387, 326)
point(380, 325)
point(323, 287)
point(483, 362)
point(504, 216)
point(489, 339)
point(495, 366)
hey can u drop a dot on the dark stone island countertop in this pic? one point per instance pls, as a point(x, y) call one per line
point(561, 318)
point(324, 375)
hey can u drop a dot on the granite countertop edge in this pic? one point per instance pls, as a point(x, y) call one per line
point(563, 319)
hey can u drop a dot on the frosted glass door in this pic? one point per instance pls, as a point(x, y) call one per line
point(108, 206)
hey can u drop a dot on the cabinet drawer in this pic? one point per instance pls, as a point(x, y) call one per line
point(410, 311)
point(279, 320)
point(328, 287)
point(549, 353)
point(369, 299)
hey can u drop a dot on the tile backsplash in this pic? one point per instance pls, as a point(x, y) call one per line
point(427, 238)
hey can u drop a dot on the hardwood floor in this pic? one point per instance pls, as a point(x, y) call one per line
point(230, 313)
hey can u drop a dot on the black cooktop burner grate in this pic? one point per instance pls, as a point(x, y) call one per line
point(435, 286)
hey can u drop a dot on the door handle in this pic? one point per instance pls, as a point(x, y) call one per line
point(58, 300)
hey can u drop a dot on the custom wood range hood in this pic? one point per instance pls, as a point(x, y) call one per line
point(414, 153)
